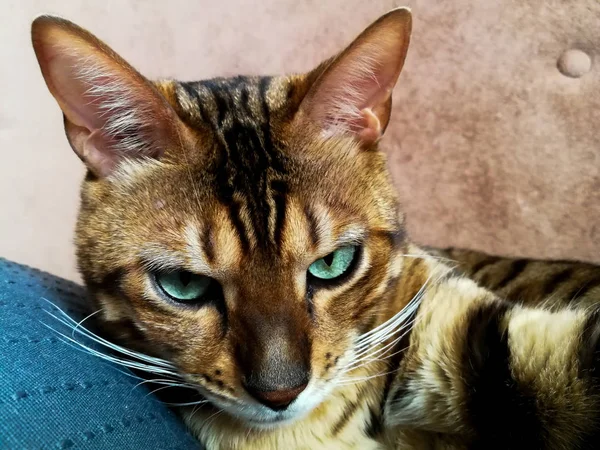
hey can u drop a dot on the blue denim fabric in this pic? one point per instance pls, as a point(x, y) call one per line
point(54, 396)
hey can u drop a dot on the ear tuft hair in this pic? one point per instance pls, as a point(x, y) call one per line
point(111, 111)
point(352, 95)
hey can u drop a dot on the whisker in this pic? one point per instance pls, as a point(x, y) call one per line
point(367, 350)
point(79, 349)
point(166, 381)
point(375, 355)
point(199, 402)
point(431, 256)
point(399, 317)
point(83, 320)
point(407, 312)
point(351, 381)
point(382, 329)
point(214, 416)
point(113, 359)
point(99, 340)
point(154, 391)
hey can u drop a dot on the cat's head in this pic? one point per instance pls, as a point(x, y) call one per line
point(244, 229)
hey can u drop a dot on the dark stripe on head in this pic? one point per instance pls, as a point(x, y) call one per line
point(208, 244)
point(516, 268)
point(222, 100)
point(249, 162)
point(313, 226)
point(219, 303)
point(310, 292)
point(502, 412)
point(192, 93)
point(280, 202)
point(263, 87)
point(234, 216)
point(362, 283)
point(280, 198)
point(396, 238)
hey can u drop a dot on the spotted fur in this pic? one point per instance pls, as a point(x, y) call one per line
point(248, 180)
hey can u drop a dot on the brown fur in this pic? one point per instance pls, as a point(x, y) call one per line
point(247, 187)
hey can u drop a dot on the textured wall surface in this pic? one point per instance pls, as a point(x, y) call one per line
point(492, 141)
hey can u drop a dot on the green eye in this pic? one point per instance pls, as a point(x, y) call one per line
point(333, 265)
point(183, 286)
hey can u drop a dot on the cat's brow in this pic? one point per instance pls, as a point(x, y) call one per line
point(351, 235)
point(156, 257)
point(196, 250)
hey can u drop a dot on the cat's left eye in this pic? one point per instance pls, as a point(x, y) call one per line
point(334, 265)
point(183, 286)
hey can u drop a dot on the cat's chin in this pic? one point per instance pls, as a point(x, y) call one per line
point(267, 425)
point(269, 421)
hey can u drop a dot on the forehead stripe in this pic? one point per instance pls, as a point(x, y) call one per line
point(280, 198)
point(236, 220)
point(193, 94)
point(249, 166)
point(207, 239)
point(313, 226)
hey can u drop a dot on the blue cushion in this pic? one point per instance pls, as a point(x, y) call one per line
point(55, 396)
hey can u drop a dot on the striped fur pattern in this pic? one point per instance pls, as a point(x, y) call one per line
point(549, 284)
point(410, 350)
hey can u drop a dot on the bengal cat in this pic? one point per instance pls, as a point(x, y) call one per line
point(242, 239)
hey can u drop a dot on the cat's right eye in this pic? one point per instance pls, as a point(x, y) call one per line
point(183, 286)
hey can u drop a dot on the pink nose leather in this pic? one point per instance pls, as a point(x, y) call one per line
point(277, 400)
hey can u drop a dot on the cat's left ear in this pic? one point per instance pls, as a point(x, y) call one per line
point(352, 94)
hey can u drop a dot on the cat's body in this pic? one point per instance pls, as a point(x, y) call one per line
point(550, 284)
point(243, 237)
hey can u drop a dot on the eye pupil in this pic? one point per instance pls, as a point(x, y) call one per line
point(185, 278)
point(328, 259)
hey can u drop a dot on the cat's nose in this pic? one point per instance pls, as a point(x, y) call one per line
point(277, 400)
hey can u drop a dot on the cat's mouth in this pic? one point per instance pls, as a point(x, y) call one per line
point(270, 424)
point(266, 420)
point(259, 417)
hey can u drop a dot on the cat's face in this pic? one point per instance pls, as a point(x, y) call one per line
point(243, 229)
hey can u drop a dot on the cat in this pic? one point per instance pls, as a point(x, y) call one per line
point(241, 239)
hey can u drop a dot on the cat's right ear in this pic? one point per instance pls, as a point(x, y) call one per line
point(111, 111)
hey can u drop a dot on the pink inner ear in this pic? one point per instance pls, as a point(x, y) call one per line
point(112, 111)
point(358, 82)
point(351, 95)
point(65, 73)
point(109, 101)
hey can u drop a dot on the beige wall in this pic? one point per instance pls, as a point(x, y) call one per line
point(492, 147)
